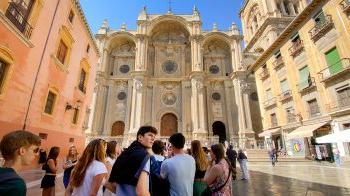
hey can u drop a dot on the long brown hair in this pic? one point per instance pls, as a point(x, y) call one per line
point(111, 152)
point(95, 150)
point(72, 156)
point(199, 155)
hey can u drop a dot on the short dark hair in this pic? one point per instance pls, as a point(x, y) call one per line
point(158, 147)
point(230, 146)
point(146, 129)
point(177, 140)
point(16, 140)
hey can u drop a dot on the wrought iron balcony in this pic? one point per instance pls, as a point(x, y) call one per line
point(345, 5)
point(307, 84)
point(314, 112)
point(296, 48)
point(264, 74)
point(285, 95)
point(339, 68)
point(321, 28)
point(340, 104)
point(16, 14)
point(278, 63)
point(270, 102)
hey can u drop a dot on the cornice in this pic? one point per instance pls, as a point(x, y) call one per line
point(86, 25)
point(295, 24)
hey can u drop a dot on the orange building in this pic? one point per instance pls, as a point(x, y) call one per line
point(47, 70)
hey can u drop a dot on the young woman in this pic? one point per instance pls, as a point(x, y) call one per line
point(69, 164)
point(218, 174)
point(50, 167)
point(201, 167)
point(90, 171)
point(111, 153)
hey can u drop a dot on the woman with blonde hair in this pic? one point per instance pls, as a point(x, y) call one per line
point(90, 172)
point(69, 164)
point(201, 166)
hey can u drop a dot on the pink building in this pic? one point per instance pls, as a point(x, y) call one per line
point(47, 70)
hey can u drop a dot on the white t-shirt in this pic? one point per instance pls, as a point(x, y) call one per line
point(95, 168)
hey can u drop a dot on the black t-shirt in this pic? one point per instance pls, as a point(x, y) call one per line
point(11, 184)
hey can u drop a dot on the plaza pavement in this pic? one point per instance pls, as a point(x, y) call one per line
point(286, 178)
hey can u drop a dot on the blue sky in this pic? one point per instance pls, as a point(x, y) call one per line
point(223, 12)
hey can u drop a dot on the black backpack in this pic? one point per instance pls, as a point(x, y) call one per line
point(158, 186)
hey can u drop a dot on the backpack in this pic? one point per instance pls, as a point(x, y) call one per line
point(158, 186)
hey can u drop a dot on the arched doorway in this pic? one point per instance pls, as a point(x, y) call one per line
point(118, 128)
point(168, 124)
point(219, 130)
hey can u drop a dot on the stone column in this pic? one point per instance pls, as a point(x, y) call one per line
point(198, 105)
point(196, 53)
point(238, 55)
point(136, 103)
point(291, 8)
point(97, 124)
point(141, 53)
point(233, 58)
point(106, 123)
point(105, 61)
point(245, 127)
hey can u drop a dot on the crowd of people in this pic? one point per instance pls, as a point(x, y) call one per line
point(146, 167)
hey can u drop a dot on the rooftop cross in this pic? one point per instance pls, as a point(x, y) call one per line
point(169, 9)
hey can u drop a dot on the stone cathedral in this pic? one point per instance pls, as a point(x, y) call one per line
point(171, 74)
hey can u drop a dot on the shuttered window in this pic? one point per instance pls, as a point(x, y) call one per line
point(333, 61)
point(304, 75)
point(284, 86)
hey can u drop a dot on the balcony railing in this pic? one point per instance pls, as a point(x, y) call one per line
point(264, 74)
point(270, 102)
point(314, 112)
point(278, 63)
point(296, 48)
point(285, 95)
point(321, 28)
point(15, 13)
point(340, 104)
point(345, 5)
point(339, 68)
point(307, 84)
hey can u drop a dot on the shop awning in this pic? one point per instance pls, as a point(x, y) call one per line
point(341, 136)
point(269, 132)
point(305, 131)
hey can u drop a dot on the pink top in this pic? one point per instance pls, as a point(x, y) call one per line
point(219, 181)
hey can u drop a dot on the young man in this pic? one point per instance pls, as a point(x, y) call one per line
point(130, 171)
point(179, 169)
point(18, 148)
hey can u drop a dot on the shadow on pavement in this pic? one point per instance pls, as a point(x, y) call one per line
point(262, 184)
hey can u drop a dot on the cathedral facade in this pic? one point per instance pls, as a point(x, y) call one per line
point(171, 74)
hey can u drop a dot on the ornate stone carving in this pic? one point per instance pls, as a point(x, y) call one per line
point(138, 85)
point(169, 98)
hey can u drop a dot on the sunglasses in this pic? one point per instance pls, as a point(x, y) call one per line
point(36, 150)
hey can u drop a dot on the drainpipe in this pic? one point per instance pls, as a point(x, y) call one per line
point(40, 64)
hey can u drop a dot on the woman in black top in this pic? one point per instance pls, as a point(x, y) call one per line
point(201, 166)
point(48, 182)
